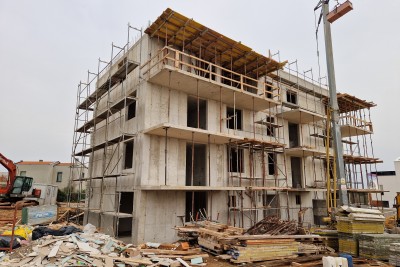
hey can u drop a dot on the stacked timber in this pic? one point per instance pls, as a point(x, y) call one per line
point(394, 258)
point(377, 246)
point(216, 237)
point(352, 222)
point(271, 239)
point(188, 232)
point(348, 243)
point(360, 221)
point(263, 250)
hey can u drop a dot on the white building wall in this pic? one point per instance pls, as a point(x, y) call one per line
point(46, 173)
point(391, 184)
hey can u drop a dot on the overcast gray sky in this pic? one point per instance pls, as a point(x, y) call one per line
point(47, 46)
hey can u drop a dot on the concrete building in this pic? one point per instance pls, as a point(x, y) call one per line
point(187, 123)
point(47, 172)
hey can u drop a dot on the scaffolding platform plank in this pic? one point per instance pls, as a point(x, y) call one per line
point(108, 83)
point(360, 159)
point(101, 116)
point(349, 142)
point(116, 140)
point(99, 177)
point(258, 144)
point(288, 189)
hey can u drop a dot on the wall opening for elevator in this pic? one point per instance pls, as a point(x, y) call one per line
point(295, 163)
point(195, 176)
point(195, 164)
point(293, 135)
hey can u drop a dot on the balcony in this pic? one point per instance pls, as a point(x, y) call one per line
point(189, 134)
point(301, 116)
point(180, 71)
point(304, 151)
point(353, 126)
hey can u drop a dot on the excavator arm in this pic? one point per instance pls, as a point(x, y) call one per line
point(12, 173)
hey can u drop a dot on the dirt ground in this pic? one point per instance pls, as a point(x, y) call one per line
point(7, 215)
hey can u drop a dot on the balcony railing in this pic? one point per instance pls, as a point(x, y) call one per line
point(365, 125)
point(181, 61)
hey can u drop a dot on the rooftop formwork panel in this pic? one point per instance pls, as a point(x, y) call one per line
point(177, 30)
point(348, 103)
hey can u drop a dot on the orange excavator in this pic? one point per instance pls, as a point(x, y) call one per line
point(15, 187)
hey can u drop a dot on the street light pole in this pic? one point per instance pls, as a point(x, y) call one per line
point(337, 136)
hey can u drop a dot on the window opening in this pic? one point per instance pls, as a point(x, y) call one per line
point(236, 160)
point(128, 162)
point(59, 177)
point(234, 118)
point(197, 113)
point(291, 97)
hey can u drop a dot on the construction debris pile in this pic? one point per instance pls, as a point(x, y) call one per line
point(68, 244)
point(269, 239)
point(353, 222)
point(83, 247)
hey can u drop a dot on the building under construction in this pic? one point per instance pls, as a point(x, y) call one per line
point(185, 124)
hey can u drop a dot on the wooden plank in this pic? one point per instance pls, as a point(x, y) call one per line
point(184, 263)
point(260, 237)
point(287, 262)
point(54, 250)
point(128, 260)
point(184, 257)
point(172, 252)
point(307, 264)
point(262, 259)
point(209, 244)
point(109, 262)
point(213, 233)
